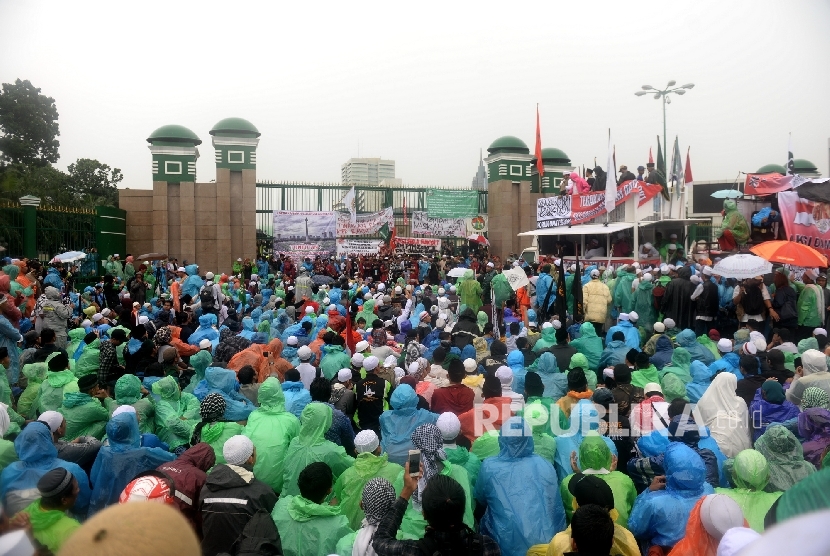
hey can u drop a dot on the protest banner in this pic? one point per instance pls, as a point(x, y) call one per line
point(348, 247)
point(568, 210)
point(805, 221)
point(452, 203)
point(417, 246)
point(364, 224)
point(301, 234)
point(426, 225)
point(476, 224)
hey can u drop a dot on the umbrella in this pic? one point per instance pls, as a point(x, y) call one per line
point(742, 266)
point(516, 277)
point(457, 272)
point(69, 257)
point(727, 194)
point(790, 252)
point(478, 238)
point(321, 279)
point(151, 257)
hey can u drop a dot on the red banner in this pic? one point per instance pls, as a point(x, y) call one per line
point(805, 221)
point(589, 206)
point(767, 184)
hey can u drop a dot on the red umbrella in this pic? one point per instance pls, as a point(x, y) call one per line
point(790, 252)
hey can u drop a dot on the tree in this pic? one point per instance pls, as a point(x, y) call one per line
point(93, 183)
point(29, 126)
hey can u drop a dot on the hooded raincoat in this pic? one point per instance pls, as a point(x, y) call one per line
point(334, 359)
point(348, 489)
point(520, 491)
point(199, 361)
point(659, 517)
point(590, 345)
point(555, 381)
point(37, 455)
point(516, 362)
point(27, 403)
point(584, 418)
point(119, 462)
point(613, 354)
point(55, 314)
point(397, 424)
point(764, 413)
point(680, 365)
point(547, 340)
point(595, 459)
point(307, 528)
point(726, 415)
point(85, 416)
point(814, 427)
point(224, 383)
point(311, 446)
point(663, 351)
point(632, 335)
point(50, 528)
point(734, 222)
point(271, 428)
point(785, 457)
point(641, 377)
point(750, 474)
point(644, 305)
point(205, 331)
point(469, 292)
point(701, 379)
point(128, 392)
point(687, 339)
point(177, 413)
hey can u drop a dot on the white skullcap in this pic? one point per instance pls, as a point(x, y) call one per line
point(181, 269)
point(673, 236)
point(124, 409)
point(449, 425)
point(423, 314)
point(659, 327)
point(86, 324)
point(595, 273)
point(669, 323)
point(357, 359)
point(760, 344)
point(399, 374)
point(624, 317)
point(414, 368)
point(409, 287)
point(332, 307)
point(719, 513)
point(470, 366)
point(490, 265)
point(664, 269)
point(254, 276)
point(204, 344)
point(636, 265)
point(106, 311)
point(652, 387)
point(381, 287)
point(441, 291)
point(292, 341)
point(147, 304)
point(572, 268)
point(754, 335)
point(304, 353)
point(505, 375)
point(647, 277)
point(647, 245)
point(209, 276)
point(390, 361)
point(633, 316)
point(398, 289)
point(671, 246)
point(707, 271)
point(546, 325)
point(96, 317)
point(366, 441)
point(309, 310)
point(370, 363)
point(557, 324)
point(672, 267)
point(440, 323)
point(143, 320)
point(556, 262)
point(344, 375)
point(609, 372)
point(812, 273)
point(326, 301)
point(695, 279)
point(724, 345)
point(433, 310)
point(238, 449)
point(52, 419)
point(361, 346)
point(750, 348)
point(819, 332)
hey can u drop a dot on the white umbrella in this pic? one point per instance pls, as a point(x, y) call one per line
point(742, 266)
point(70, 257)
point(457, 272)
point(727, 194)
point(516, 277)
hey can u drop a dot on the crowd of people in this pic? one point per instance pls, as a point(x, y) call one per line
point(377, 406)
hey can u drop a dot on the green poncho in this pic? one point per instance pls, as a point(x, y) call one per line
point(623, 297)
point(595, 455)
point(588, 344)
point(35, 373)
point(50, 527)
point(735, 222)
point(707, 342)
point(482, 319)
point(750, 474)
point(349, 486)
point(216, 434)
point(76, 337)
point(641, 377)
point(582, 361)
point(311, 446)
point(200, 361)
point(53, 388)
point(469, 291)
point(785, 457)
point(90, 359)
point(486, 445)
point(128, 392)
point(547, 340)
point(308, 529)
point(673, 388)
point(644, 306)
point(538, 414)
point(367, 313)
point(501, 288)
point(176, 413)
point(271, 428)
point(85, 416)
point(681, 363)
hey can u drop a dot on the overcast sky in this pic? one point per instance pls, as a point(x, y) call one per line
point(429, 84)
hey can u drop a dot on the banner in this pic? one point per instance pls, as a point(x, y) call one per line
point(767, 184)
point(364, 224)
point(358, 247)
point(452, 203)
point(438, 227)
point(567, 210)
point(806, 221)
point(301, 234)
point(476, 224)
point(417, 245)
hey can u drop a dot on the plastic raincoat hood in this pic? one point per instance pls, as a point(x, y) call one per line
point(122, 433)
point(685, 471)
point(750, 470)
point(594, 453)
point(515, 439)
point(34, 445)
point(315, 421)
point(127, 390)
point(404, 397)
point(271, 397)
point(221, 379)
point(168, 389)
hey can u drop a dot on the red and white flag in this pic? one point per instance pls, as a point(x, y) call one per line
point(405, 217)
point(610, 181)
point(540, 166)
point(767, 184)
point(650, 158)
point(687, 175)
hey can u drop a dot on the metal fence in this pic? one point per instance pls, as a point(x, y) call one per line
point(303, 196)
point(59, 229)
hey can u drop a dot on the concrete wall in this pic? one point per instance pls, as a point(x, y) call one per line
point(511, 209)
point(210, 224)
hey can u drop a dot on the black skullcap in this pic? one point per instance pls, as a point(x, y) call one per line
point(54, 483)
point(588, 489)
point(59, 362)
point(491, 387)
point(533, 382)
point(622, 373)
point(87, 382)
point(618, 335)
point(603, 397)
point(89, 338)
point(577, 380)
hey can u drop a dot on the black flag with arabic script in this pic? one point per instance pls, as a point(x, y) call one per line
point(576, 290)
point(561, 302)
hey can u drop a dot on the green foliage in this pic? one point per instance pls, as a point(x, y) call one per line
point(94, 183)
point(29, 126)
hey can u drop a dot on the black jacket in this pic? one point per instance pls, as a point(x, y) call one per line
point(677, 301)
point(707, 302)
point(465, 330)
point(227, 502)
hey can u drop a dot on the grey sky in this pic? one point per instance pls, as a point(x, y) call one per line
point(428, 84)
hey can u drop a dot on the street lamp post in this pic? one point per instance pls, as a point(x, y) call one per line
point(664, 94)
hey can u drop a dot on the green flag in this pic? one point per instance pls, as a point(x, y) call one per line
point(661, 171)
point(661, 164)
point(384, 233)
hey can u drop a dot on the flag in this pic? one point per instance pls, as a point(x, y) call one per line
point(405, 218)
point(676, 168)
point(610, 182)
point(560, 305)
point(687, 177)
point(540, 166)
point(767, 184)
point(392, 239)
point(790, 163)
point(385, 233)
point(576, 290)
point(661, 163)
point(650, 158)
point(349, 202)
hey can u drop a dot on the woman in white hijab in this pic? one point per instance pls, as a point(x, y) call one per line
point(726, 415)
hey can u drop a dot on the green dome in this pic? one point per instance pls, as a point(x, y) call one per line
point(235, 126)
point(804, 166)
point(770, 168)
point(508, 144)
point(555, 156)
point(174, 134)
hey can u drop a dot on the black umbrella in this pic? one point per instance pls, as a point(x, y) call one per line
point(818, 191)
point(321, 279)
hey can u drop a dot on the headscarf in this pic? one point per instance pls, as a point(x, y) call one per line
point(163, 336)
point(774, 392)
point(413, 352)
point(430, 441)
point(481, 320)
point(212, 410)
point(785, 456)
point(482, 350)
point(814, 397)
point(378, 496)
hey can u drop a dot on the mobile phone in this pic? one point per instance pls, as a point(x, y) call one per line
point(414, 463)
point(265, 353)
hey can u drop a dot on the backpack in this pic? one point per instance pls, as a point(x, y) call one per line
point(753, 301)
point(206, 298)
point(658, 292)
point(473, 545)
